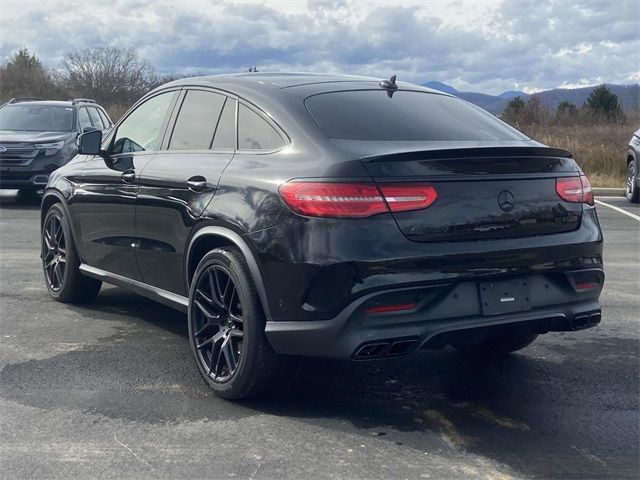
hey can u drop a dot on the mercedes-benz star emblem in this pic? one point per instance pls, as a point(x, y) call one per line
point(506, 200)
point(3, 149)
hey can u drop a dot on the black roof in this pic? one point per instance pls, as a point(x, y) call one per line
point(259, 81)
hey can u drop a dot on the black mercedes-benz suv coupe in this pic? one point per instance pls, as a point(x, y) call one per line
point(325, 215)
point(37, 136)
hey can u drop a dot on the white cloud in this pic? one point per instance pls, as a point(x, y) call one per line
point(488, 46)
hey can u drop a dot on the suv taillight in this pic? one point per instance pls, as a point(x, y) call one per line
point(575, 189)
point(354, 200)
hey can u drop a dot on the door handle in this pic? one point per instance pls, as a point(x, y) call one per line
point(128, 176)
point(197, 183)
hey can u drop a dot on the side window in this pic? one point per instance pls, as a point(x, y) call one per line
point(105, 120)
point(196, 121)
point(226, 130)
point(83, 119)
point(95, 118)
point(255, 133)
point(141, 130)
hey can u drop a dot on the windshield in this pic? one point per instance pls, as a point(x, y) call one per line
point(36, 118)
point(404, 116)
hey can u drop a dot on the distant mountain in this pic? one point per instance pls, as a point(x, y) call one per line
point(442, 87)
point(629, 96)
point(509, 94)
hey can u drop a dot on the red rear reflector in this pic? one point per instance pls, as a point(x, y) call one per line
point(407, 197)
point(354, 200)
point(586, 285)
point(575, 189)
point(391, 308)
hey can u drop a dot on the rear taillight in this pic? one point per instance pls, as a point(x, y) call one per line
point(575, 189)
point(402, 198)
point(354, 200)
point(587, 193)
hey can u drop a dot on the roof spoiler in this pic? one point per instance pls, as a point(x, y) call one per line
point(474, 152)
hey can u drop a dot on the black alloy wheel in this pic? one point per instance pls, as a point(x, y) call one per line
point(631, 189)
point(61, 262)
point(54, 255)
point(227, 330)
point(217, 323)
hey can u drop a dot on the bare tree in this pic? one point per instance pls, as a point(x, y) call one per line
point(107, 74)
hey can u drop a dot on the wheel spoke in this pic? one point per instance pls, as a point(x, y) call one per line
point(47, 240)
point(208, 341)
point(205, 311)
point(236, 318)
point(58, 273)
point(200, 332)
point(229, 355)
point(216, 370)
point(226, 289)
point(234, 332)
point(214, 285)
point(58, 233)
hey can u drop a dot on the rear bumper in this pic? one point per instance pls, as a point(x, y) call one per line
point(444, 314)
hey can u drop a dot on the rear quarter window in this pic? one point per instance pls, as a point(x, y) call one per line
point(255, 133)
point(404, 116)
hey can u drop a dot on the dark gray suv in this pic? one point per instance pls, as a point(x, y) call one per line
point(37, 136)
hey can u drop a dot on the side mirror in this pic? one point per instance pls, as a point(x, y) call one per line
point(89, 129)
point(89, 143)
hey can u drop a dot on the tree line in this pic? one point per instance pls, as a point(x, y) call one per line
point(117, 77)
point(601, 107)
point(114, 77)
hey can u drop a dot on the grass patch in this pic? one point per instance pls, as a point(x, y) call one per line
point(600, 150)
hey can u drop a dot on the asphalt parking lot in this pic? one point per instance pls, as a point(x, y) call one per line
point(110, 391)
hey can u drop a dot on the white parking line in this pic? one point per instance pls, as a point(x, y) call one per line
point(618, 209)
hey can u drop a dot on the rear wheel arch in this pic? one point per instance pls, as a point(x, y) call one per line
point(212, 237)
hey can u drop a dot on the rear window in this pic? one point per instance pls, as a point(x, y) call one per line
point(405, 116)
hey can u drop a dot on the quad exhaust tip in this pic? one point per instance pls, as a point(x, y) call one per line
point(586, 320)
point(385, 348)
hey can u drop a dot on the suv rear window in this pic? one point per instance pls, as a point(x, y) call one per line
point(405, 116)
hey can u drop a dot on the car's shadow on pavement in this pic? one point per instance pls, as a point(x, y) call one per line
point(497, 407)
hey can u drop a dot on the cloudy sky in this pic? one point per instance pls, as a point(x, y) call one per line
point(482, 45)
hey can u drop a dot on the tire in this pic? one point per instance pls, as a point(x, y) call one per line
point(61, 263)
point(226, 330)
point(503, 344)
point(631, 190)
